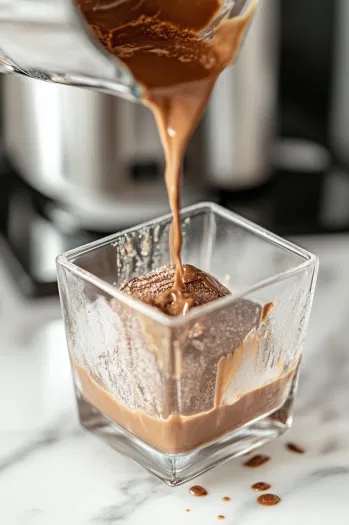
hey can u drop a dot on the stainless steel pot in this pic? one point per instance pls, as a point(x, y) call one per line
point(241, 118)
point(98, 155)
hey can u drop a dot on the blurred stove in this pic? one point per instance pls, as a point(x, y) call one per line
point(35, 231)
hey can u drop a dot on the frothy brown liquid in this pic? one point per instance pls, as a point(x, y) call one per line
point(157, 289)
point(159, 41)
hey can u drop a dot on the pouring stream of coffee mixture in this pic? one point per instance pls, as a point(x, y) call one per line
point(160, 41)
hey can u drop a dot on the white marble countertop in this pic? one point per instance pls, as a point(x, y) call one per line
point(54, 473)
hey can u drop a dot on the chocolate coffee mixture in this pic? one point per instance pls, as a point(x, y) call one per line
point(160, 41)
point(180, 434)
point(196, 382)
point(181, 401)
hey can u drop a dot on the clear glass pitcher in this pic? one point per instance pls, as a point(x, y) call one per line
point(50, 40)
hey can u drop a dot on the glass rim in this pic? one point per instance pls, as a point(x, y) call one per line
point(308, 260)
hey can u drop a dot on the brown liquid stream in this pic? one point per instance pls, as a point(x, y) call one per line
point(159, 41)
point(268, 500)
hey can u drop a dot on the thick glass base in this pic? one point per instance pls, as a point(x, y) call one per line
point(175, 469)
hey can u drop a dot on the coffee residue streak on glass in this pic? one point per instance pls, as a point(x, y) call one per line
point(266, 310)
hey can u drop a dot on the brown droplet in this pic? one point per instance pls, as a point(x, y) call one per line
point(267, 308)
point(257, 461)
point(295, 448)
point(226, 498)
point(198, 491)
point(260, 486)
point(221, 517)
point(187, 510)
point(268, 499)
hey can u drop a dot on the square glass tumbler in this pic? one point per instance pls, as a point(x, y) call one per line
point(180, 395)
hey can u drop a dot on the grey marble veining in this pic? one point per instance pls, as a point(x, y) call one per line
point(51, 472)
